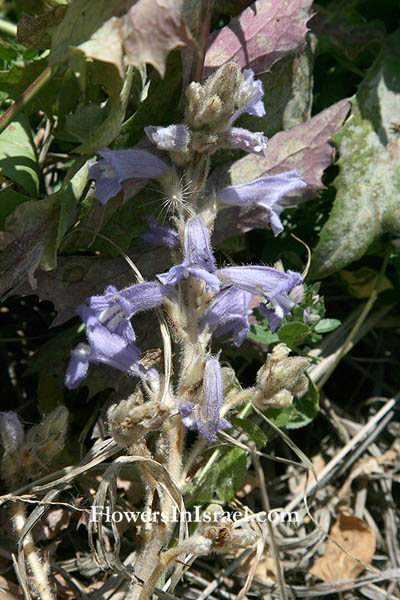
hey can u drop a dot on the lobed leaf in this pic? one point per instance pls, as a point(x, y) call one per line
point(368, 186)
point(264, 33)
point(115, 31)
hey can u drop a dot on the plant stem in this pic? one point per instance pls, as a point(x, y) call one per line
point(30, 92)
point(38, 569)
point(8, 28)
point(202, 39)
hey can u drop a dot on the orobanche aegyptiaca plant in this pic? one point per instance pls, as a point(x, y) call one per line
point(201, 301)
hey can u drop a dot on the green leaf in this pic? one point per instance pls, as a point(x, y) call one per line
point(79, 126)
point(326, 325)
point(70, 197)
point(368, 186)
point(280, 417)
point(306, 408)
point(18, 161)
point(9, 200)
point(7, 52)
point(19, 77)
point(205, 492)
point(118, 92)
point(293, 334)
point(232, 470)
point(252, 430)
point(261, 335)
point(49, 394)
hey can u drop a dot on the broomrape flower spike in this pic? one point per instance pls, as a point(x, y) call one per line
point(190, 394)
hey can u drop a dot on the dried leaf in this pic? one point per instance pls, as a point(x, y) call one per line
point(54, 521)
point(9, 590)
point(113, 30)
point(37, 228)
point(264, 33)
point(354, 535)
point(305, 148)
point(160, 22)
point(32, 31)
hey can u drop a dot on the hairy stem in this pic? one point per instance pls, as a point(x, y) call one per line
point(38, 570)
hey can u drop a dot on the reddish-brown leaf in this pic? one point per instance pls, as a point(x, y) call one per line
point(264, 33)
point(305, 148)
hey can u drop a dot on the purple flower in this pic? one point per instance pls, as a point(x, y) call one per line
point(255, 106)
point(117, 166)
point(243, 139)
point(104, 347)
point(78, 366)
point(268, 282)
point(281, 306)
point(266, 192)
point(198, 258)
point(205, 416)
point(229, 312)
point(160, 235)
point(174, 138)
point(115, 308)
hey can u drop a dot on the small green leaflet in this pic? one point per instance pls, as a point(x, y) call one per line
point(252, 430)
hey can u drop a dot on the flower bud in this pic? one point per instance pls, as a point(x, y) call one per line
point(281, 378)
point(218, 528)
point(26, 458)
point(131, 419)
point(211, 107)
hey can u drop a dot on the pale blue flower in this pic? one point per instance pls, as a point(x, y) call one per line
point(266, 192)
point(229, 312)
point(118, 166)
point(198, 257)
point(205, 416)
